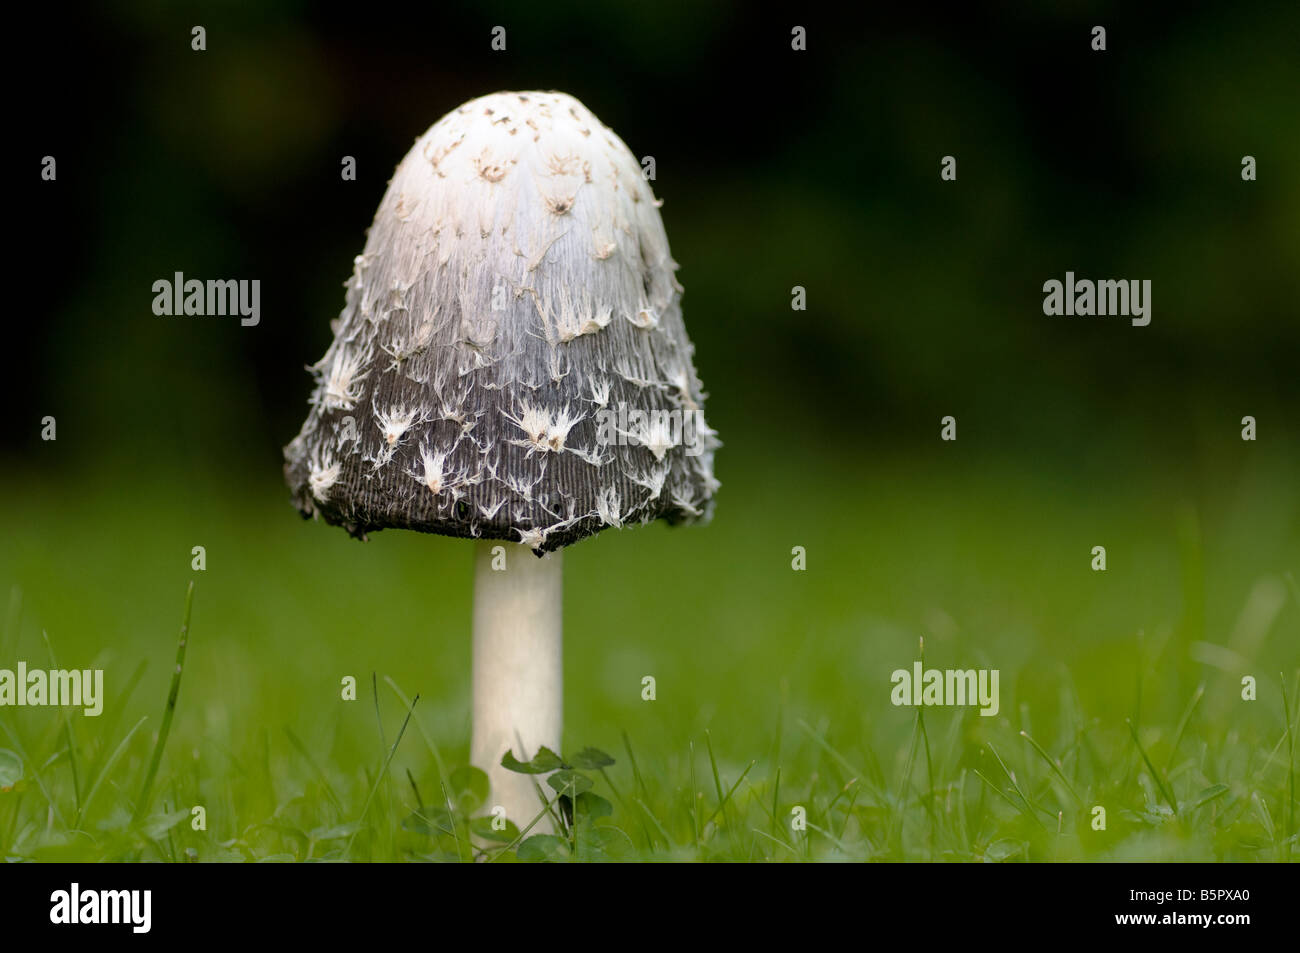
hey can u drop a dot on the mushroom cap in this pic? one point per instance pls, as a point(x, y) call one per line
point(511, 361)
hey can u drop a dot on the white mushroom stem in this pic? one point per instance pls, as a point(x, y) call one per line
point(518, 680)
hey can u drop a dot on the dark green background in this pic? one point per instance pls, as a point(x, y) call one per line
point(777, 169)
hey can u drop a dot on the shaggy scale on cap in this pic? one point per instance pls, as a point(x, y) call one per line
point(514, 307)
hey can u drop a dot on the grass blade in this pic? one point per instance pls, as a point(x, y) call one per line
point(67, 730)
point(1052, 764)
point(108, 767)
point(142, 802)
point(1182, 724)
point(1159, 778)
point(306, 756)
point(1290, 772)
point(383, 773)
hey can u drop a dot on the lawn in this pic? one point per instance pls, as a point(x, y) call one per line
point(771, 734)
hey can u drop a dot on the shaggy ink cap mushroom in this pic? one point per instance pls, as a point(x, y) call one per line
point(515, 284)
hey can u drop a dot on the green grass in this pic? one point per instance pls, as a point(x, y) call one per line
point(1119, 689)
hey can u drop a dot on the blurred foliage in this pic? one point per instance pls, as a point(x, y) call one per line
point(777, 169)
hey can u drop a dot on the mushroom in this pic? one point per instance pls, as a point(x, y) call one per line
point(510, 367)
